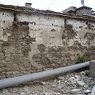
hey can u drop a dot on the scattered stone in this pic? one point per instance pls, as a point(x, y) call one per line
point(21, 93)
point(61, 78)
point(77, 77)
point(93, 91)
point(87, 91)
point(51, 93)
point(43, 83)
point(72, 79)
point(76, 91)
point(69, 84)
point(81, 83)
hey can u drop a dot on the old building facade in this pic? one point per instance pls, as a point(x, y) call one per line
point(34, 40)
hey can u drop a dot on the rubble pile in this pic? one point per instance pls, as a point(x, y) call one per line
point(77, 83)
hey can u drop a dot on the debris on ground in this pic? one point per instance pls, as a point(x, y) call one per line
point(69, 84)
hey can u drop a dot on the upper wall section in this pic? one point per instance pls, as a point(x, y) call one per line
point(25, 10)
point(41, 19)
point(6, 22)
point(6, 19)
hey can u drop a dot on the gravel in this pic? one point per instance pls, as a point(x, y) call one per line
point(69, 84)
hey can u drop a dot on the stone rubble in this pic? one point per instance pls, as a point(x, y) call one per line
point(68, 84)
point(93, 91)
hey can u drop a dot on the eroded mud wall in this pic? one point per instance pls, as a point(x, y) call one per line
point(35, 42)
point(59, 41)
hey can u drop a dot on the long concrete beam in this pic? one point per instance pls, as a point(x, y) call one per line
point(40, 75)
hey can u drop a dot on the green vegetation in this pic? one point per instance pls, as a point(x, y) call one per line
point(82, 58)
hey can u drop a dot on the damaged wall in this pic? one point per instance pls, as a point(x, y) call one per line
point(36, 42)
point(58, 41)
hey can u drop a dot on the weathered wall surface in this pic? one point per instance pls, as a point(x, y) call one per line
point(80, 38)
point(37, 42)
point(6, 47)
point(58, 41)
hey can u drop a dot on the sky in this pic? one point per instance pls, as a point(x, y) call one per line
point(55, 5)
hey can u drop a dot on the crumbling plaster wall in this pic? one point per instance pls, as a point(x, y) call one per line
point(6, 21)
point(36, 42)
point(6, 47)
point(58, 41)
point(85, 32)
point(80, 38)
point(47, 32)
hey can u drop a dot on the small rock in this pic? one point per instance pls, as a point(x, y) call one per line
point(59, 82)
point(81, 83)
point(47, 93)
point(83, 73)
point(76, 91)
point(51, 93)
point(77, 78)
point(43, 83)
point(61, 78)
point(91, 78)
point(21, 93)
point(93, 91)
point(87, 91)
point(59, 86)
point(55, 80)
point(53, 85)
point(72, 79)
